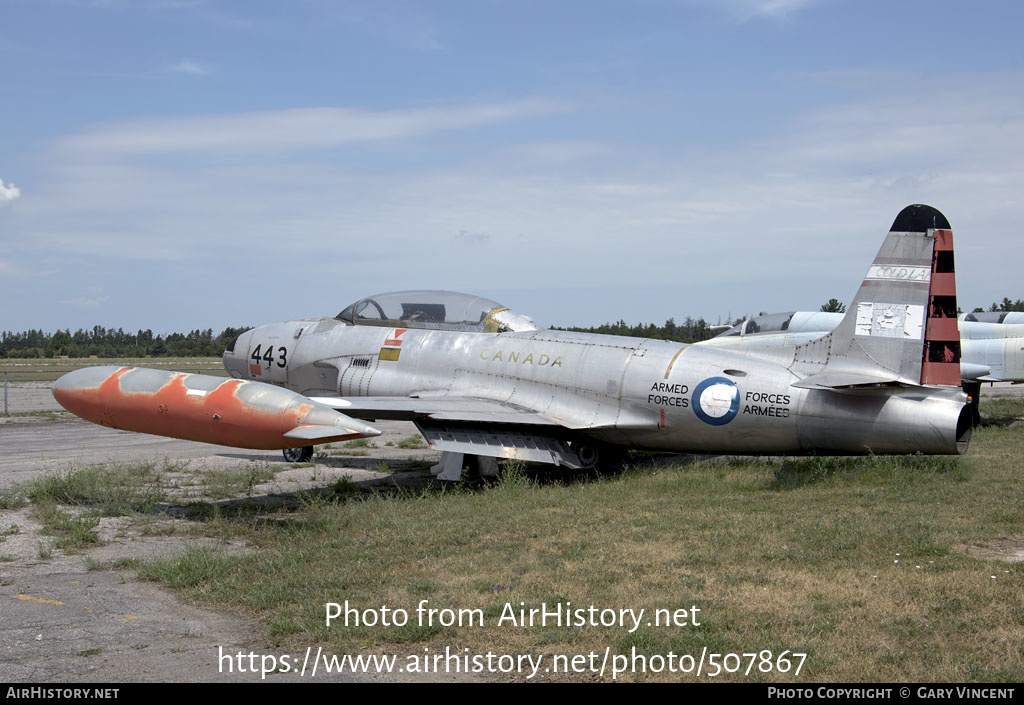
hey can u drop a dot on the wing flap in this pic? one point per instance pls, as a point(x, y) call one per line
point(498, 441)
point(447, 408)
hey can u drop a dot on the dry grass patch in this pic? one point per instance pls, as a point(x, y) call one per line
point(797, 555)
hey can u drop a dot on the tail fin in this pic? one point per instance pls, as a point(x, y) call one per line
point(902, 326)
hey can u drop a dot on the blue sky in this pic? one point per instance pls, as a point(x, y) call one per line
point(180, 164)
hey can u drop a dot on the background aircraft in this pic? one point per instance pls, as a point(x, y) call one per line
point(481, 381)
point(991, 343)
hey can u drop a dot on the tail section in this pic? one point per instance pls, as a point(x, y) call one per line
point(901, 327)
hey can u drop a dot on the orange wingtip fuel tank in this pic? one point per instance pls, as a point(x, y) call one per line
point(229, 412)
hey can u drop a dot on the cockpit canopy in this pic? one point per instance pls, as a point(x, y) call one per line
point(440, 310)
point(1006, 317)
point(791, 322)
point(770, 323)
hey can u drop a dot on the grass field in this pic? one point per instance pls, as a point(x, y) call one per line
point(49, 369)
point(878, 568)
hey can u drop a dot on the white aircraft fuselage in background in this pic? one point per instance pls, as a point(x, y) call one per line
point(991, 343)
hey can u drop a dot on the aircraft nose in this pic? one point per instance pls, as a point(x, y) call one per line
point(236, 356)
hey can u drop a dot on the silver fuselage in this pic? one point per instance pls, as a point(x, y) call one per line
point(639, 393)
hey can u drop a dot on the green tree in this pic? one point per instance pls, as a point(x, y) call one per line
point(833, 306)
point(1008, 305)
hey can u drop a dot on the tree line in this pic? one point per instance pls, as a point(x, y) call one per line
point(694, 330)
point(690, 331)
point(1005, 305)
point(103, 342)
point(110, 343)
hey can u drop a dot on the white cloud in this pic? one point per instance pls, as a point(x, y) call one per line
point(8, 193)
point(189, 67)
point(769, 223)
point(292, 130)
point(749, 9)
point(774, 8)
point(23, 268)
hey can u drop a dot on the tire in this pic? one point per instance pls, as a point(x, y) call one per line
point(598, 457)
point(298, 455)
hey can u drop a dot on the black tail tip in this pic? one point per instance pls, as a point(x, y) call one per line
point(919, 218)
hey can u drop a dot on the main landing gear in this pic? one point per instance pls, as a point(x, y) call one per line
point(598, 457)
point(298, 455)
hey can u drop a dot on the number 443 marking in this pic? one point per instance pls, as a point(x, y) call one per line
point(268, 356)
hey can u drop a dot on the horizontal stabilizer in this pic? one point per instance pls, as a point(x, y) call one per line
point(844, 380)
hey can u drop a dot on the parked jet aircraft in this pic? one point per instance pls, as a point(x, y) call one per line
point(481, 381)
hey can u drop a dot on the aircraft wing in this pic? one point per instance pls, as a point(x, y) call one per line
point(452, 408)
point(470, 425)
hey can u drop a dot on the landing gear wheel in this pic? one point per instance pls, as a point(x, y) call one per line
point(597, 457)
point(298, 455)
point(588, 455)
